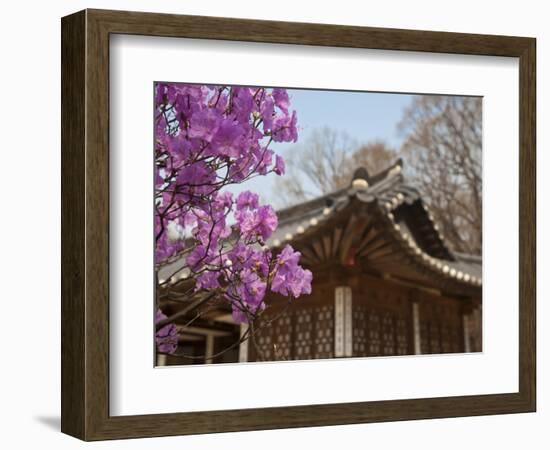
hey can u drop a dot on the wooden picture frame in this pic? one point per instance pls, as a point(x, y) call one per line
point(85, 224)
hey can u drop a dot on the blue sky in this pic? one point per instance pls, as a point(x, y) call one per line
point(364, 116)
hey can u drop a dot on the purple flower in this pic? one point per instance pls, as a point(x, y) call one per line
point(281, 99)
point(204, 124)
point(240, 169)
point(279, 168)
point(247, 295)
point(289, 278)
point(239, 311)
point(206, 139)
point(209, 232)
point(287, 260)
point(197, 257)
point(267, 110)
point(227, 138)
point(284, 128)
point(196, 178)
point(261, 221)
point(207, 280)
point(243, 103)
point(223, 200)
point(301, 282)
point(159, 180)
point(160, 94)
point(252, 288)
point(247, 257)
point(247, 199)
point(165, 248)
point(166, 337)
point(267, 221)
point(262, 160)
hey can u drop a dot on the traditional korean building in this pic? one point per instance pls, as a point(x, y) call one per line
point(385, 282)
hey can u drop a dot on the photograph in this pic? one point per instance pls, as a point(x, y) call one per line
point(266, 226)
point(304, 224)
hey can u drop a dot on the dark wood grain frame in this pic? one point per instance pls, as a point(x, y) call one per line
point(85, 224)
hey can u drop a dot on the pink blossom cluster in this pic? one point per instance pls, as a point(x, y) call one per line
point(208, 138)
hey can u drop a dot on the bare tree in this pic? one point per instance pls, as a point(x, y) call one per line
point(326, 163)
point(442, 151)
point(375, 156)
point(443, 157)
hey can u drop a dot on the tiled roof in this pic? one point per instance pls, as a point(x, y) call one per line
point(398, 208)
point(398, 203)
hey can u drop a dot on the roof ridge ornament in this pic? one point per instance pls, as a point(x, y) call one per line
point(360, 179)
point(397, 168)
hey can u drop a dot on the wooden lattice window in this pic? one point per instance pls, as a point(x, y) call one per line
point(388, 334)
point(441, 326)
point(263, 342)
point(402, 336)
point(324, 332)
point(297, 334)
point(374, 333)
point(360, 340)
point(303, 335)
point(282, 337)
point(475, 330)
point(382, 323)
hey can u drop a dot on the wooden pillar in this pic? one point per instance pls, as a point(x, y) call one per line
point(478, 329)
point(466, 328)
point(474, 329)
point(243, 347)
point(209, 348)
point(417, 343)
point(161, 359)
point(343, 324)
point(348, 324)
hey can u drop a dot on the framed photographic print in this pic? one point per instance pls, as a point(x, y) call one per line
point(270, 224)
